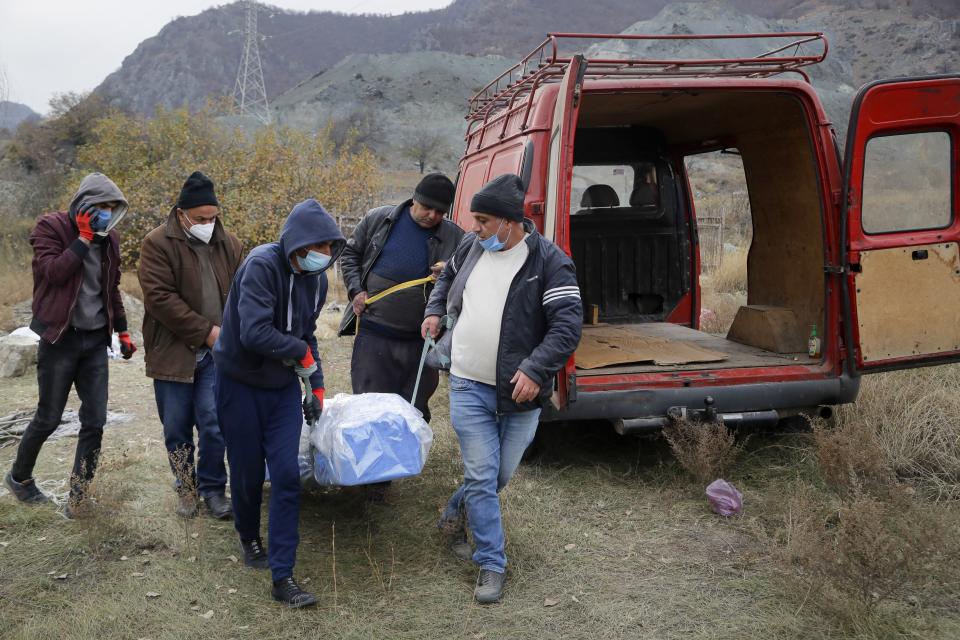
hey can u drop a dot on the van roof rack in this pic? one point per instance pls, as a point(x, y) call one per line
point(545, 64)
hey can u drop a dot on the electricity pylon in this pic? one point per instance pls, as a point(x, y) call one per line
point(250, 93)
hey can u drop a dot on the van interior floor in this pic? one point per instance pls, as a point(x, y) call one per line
point(668, 337)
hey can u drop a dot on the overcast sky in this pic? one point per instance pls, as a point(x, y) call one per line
point(54, 46)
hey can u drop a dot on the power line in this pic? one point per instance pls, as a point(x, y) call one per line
point(250, 92)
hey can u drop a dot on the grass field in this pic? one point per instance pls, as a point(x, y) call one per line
point(607, 538)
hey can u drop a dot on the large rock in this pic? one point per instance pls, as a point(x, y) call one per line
point(17, 354)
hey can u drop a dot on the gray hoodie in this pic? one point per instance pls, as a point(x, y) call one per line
point(96, 188)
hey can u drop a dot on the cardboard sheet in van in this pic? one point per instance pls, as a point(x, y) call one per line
point(606, 345)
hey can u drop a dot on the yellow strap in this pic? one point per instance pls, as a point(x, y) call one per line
point(398, 287)
point(393, 289)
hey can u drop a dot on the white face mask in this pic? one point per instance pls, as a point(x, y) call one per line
point(202, 232)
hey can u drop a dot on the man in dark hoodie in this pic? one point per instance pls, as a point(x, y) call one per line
point(186, 267)
point(266, 347)
point(76, 309)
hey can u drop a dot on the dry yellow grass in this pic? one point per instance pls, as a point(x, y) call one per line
point(16, 279)
point(610, 529)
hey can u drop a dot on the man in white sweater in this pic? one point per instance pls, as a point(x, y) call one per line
point(514, 299)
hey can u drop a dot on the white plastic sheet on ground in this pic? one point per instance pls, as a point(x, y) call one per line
point(365, 438)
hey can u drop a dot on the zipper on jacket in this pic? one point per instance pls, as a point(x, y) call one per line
point(73, 303)
point(505, 307)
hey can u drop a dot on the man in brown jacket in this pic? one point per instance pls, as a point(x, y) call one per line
point(186, 267)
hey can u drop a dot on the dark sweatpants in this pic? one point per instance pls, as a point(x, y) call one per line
point(389, 365)
point(257, 425)
point(78, 359)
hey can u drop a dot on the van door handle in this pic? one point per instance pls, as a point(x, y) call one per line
point(920, 254)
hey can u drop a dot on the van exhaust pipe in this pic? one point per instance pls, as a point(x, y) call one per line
point(641, 426)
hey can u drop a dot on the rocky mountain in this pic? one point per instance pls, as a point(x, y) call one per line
point(13, 113)
point(197, 56)
point(392, 100)
point(395, 97)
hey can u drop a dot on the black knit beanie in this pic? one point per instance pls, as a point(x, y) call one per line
point(196, 192)
point(435, 191)
point(501, 197)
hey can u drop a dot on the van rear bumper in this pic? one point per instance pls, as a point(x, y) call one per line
point(657, 402)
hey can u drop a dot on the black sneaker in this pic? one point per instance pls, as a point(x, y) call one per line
point(290, 593)
point(218, 506)
point(254, 555)
point(26, 491)
point(489, 586)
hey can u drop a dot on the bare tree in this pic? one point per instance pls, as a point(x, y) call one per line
point(424, 145)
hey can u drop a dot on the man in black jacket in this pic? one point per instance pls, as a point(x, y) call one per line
point(514, 300)
point(393, 245)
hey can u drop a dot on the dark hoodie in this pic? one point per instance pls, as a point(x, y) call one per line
point(271, 311)
point(59, 258)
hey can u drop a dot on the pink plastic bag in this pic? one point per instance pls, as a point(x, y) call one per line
point(724, 498)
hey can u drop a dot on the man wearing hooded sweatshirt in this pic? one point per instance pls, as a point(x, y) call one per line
point(186, 267)
point(76, 309)
point(266, 347)
point(517, 310)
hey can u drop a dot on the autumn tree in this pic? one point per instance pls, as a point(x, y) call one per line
point(259, 175)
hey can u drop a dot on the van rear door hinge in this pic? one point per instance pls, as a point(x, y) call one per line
point(835, 269)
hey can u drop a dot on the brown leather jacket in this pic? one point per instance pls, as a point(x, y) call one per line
point(173, 328)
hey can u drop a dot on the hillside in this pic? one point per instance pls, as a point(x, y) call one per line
point(391, 96)
point(393, 99)
point(194, 57)
point(13, 113)
point(197, 56)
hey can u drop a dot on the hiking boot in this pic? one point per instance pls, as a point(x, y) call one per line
point(454, 533)
point(218, 506)
point(186, 505)
point(26, 491)
point(254, 555)
point(290, 593)
point(489, 586)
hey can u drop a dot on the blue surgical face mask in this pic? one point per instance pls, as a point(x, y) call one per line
point(313, 261)
point(494, 243)
point(100, 221)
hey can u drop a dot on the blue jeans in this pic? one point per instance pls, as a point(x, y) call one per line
point(262, 429)
point(491, 446)
point(183, 405)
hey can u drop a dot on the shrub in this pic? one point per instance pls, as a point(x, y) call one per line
point(912, 418)
point(703, 449)
point(867, 548)
point(259, 178)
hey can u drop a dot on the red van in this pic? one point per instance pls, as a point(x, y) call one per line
point(864, 247)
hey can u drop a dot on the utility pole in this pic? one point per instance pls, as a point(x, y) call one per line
point(250, 93)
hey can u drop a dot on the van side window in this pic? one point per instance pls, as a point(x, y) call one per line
point(907, 183)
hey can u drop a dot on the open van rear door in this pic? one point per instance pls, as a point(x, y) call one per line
point(900, 222)
point(556, 208)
